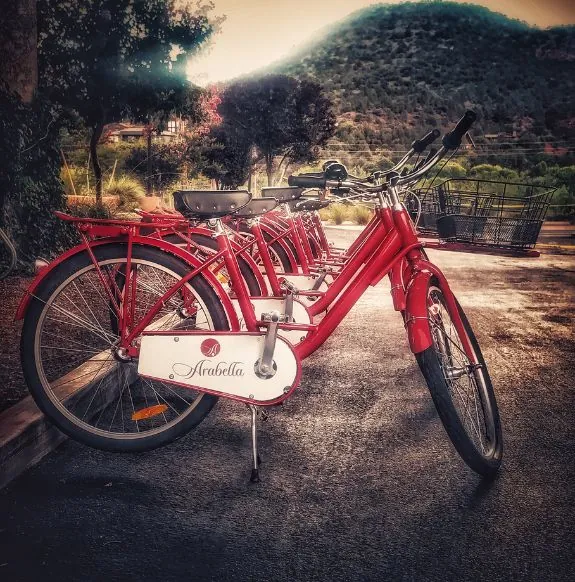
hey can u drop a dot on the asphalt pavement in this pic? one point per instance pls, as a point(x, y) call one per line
point(359, 481)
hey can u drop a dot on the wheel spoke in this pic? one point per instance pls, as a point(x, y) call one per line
point(95, 388)
point(459, 373)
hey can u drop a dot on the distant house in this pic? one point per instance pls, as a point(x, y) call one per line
point(127, 132)
point(555, 151)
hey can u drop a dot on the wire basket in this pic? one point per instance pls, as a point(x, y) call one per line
point(485, 212)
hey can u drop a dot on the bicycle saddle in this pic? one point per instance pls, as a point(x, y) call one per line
point(206, 204)
point(256, 207)
point(283, 193)
point(307, 204)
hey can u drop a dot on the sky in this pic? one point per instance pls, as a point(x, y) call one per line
point(259, 32)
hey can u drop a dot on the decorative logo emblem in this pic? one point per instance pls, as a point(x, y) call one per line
point(210, 347)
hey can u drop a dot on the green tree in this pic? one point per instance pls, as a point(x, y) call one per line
point(224, 155)
point(160, 167)
point(114, 59)
point(280, 116)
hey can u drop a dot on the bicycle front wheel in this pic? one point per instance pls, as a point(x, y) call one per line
point(71, 361)
point(463, 394)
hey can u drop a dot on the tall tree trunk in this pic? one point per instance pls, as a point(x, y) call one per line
point(96, 135)
point(251, 177)
point(283, 173)
point(270, 169)
point(18, 46)
point(148, 160)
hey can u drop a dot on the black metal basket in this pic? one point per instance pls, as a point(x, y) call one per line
point(485, 212)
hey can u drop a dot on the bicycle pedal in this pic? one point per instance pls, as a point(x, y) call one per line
point(289, 287)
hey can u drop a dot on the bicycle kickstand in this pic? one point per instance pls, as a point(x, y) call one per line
point(256, 459)
point(255, 478)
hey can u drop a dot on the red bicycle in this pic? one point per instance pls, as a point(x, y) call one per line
point(128, 340)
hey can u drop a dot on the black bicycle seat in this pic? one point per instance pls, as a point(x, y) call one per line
point(307, 204)
point(257, 207)
point(283, 193)
point(206, 204)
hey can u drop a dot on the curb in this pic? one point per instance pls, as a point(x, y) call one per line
point(26, 435)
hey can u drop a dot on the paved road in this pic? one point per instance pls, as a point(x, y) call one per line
point(359, 481)
point(560, 233)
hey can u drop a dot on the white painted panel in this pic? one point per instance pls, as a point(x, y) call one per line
point(267, 304)
point(221, 363)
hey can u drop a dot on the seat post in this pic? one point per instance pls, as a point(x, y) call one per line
point(239, 285)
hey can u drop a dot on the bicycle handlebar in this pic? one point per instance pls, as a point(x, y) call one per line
point(308, 181)
point(419, 145)
point(452, 140)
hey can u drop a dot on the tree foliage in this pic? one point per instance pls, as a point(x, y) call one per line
point(223, 155)
point(114, 59)
point(165, 163)
point(280, 116)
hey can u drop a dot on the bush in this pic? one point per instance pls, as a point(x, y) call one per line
point(165, 163)
point(90, 210)
point(74, 180)
point(338, 213)
point(128, 190)
point(361, 214)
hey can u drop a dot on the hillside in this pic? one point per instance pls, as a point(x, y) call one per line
point(394, 69)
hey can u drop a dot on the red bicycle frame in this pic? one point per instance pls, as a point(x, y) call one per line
point(391, 246)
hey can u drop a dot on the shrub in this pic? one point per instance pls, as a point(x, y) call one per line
point(338, 213)
point(361, 214)
point(165, 163)
point(90, 210)
point(74, 179)
point(128, 190)
point(324, 214)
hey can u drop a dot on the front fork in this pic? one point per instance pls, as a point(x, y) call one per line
point(412, 300)
point(410, 279)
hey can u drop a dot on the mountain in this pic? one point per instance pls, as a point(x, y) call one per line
point(395, 69)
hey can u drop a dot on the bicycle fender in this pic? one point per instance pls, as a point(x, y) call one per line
point(416, 317)
point(244, 255)
point(272, 233)
point(137, 240)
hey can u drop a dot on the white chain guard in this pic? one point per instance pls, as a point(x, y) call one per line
point(268, 304)
point(227, 370)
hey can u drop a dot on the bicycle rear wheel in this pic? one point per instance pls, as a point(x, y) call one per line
point(463, 394)
point(72, 365)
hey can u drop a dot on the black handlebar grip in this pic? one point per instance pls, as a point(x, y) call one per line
point(307, 181)
point(452, 140)
point(419, 145)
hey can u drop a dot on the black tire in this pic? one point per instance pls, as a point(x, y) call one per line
point(279, 254)
point(210, 243)
point(315, 248)
point(45, 367)
point(465, 399)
